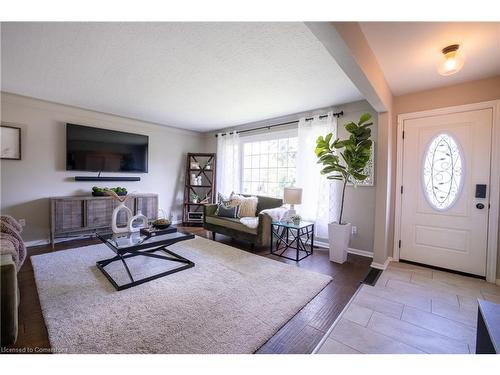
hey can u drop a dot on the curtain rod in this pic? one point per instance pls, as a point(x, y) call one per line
point(338, 114)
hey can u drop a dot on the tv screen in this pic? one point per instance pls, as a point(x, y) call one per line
point(102, 150)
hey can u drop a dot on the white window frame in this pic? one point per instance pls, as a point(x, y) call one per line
point(462, 174)
point(265, 136)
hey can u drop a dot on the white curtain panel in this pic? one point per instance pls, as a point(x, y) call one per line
point(228, 163)
point(319, 195)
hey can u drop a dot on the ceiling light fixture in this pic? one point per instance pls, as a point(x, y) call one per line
point(453, 60)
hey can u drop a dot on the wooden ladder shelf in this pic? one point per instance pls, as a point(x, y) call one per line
point(198, 165)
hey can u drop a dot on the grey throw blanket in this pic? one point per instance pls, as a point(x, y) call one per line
point(10, 230)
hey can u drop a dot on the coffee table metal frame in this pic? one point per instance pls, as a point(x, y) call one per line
point(147, 250)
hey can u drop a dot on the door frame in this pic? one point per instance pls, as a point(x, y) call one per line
point(493, 214)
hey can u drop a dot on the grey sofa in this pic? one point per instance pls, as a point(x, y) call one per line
point(260, 236)
point(9, 298)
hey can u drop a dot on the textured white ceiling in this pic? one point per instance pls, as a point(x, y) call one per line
point(198, 76)
point(408, 52)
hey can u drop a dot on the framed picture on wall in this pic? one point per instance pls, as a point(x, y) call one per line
point(369, 170)
point(10, 137)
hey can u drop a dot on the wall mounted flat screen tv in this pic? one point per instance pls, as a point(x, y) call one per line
point(103, 150)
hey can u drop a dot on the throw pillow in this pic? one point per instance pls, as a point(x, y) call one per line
point(227, 211)
point(248, 205)
point(225, 200)
point(221, 198)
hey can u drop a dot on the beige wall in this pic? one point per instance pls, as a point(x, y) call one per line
point(348, 46)
point(358, 61)
point(26, 185)
point(384, 217)
point(372, 78)
point(464, 93)
point(360, 201)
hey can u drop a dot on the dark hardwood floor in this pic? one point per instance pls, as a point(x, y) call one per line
point(299, 335)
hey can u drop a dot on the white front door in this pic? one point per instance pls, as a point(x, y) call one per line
point(444, 206)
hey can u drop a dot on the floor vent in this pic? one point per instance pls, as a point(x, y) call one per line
point(372, 276)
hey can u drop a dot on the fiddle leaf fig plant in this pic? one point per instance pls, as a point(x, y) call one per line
point(346, 159)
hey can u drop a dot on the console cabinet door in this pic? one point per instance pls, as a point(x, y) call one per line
point(69, 215)
point(99, 212)
point(148, 206)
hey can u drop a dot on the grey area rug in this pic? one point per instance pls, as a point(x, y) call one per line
point(232, 301)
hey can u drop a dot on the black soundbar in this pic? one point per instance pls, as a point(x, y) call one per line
point(90, 178)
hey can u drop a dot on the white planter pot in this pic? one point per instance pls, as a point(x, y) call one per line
point(339, 236)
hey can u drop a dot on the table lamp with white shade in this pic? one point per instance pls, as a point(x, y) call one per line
point(292, 196)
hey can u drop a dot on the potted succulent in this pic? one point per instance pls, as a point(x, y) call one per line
point(195, 198)
point(344, 160)
point(296, 219)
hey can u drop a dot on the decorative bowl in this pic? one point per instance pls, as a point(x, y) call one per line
point(161, 223)
point(161, 226)
point(103, 194)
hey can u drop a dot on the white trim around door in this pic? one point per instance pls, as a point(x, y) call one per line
point(493, 215)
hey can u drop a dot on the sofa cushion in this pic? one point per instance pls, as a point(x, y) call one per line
point(268, 202)
point(230, 223)
point(227, 211)
point(248, 205)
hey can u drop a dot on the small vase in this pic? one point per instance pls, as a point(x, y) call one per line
point(143, 223)
point(114, 225)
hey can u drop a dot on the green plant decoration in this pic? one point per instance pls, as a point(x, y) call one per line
point(346, 159)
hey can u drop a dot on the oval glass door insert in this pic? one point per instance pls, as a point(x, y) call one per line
point(442, 172)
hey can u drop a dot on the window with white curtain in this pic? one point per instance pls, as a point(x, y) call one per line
point(269, 163)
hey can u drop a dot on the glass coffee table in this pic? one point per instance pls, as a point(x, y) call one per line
point(130, 245)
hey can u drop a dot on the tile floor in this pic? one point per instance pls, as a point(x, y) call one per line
point(411, 309)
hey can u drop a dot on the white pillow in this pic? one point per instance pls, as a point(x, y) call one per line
point(248, 205)
point(277, 214)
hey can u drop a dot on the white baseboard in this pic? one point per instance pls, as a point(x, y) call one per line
point(380, 266)
point(321, 244)
point(46, 241)
point(350, 250)
point(57, 240)
point(360, 252)
point(36, 243)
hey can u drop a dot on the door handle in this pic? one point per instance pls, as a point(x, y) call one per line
point(480, 206)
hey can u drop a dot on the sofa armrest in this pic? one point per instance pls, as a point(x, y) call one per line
point(264, 229)
point(9, 300)
point(209, 210)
